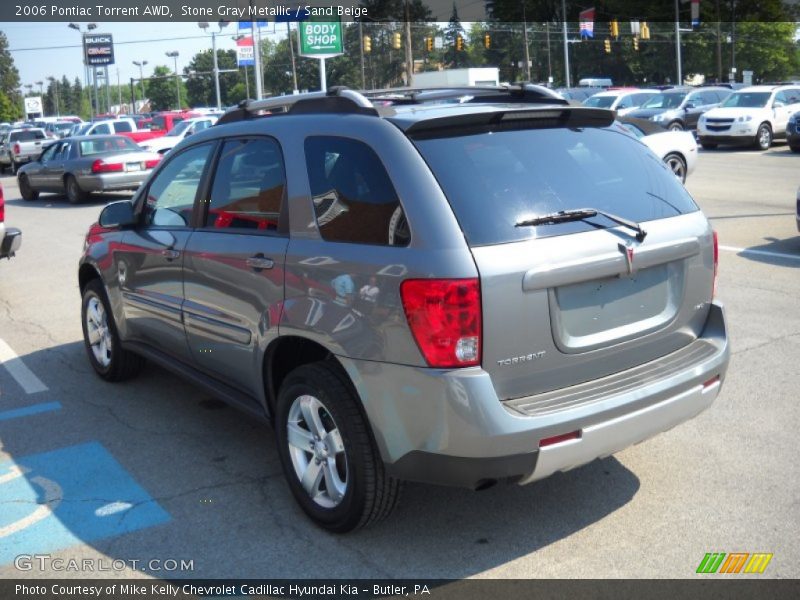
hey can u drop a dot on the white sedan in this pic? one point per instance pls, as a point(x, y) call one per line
point(678, 149)
point(165, 143)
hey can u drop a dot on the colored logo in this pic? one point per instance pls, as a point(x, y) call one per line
point(735, 562)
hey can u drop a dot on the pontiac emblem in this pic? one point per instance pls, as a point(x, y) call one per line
point(627, 252)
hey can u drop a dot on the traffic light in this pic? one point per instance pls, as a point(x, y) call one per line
point(614, 27)
point(397, 41)
point(429, 44)
point(636, 44)
point(607, 45)
point(459, 43)
point(487, 41)
point(644, 31)
point(367, 44)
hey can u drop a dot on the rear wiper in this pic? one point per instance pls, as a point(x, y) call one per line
point(579, 214)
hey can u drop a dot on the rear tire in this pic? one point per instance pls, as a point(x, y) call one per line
point(25, 189)
point(324, 438)
point(677, 165)
point(75, 194)
point(675, 126)
point(763, 139)
point(101, 340)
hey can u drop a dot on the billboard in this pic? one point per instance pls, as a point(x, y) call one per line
point(244, 52)
point(98, 49)
point(33, 105)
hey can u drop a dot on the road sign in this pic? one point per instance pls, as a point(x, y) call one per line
point(320, 39)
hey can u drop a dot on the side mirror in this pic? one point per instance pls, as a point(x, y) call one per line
point(117, 214)
point(689, 105)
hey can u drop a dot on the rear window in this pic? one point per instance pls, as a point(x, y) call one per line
point(107, 145)
point(600, 101)
point(494, 180)
point(28, 135)
point(122, 126)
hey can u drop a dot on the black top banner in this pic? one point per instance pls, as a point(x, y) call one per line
point(530, 11)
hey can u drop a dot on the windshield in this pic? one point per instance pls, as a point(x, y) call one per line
point(106, 145)
point(180, 128)
point(747, 99)
point(664, 101)
point(600, 101)
point(63, 126)
point(495, 179)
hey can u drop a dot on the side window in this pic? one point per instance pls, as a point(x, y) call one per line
point(122, 126)
point(51, 152)
point(793, 95)
point(170, 197)
point(625, 102)
point(101, 129)
point(781, 97)
point(639, 99)
point(354, 199)
point(248, 186)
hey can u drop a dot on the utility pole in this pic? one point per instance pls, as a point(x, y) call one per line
point(525, 41)
point(291, 53)
point(141, 81)
point(361, 52)
point(409, 53)
point(258, 71)
point(679, 70)
point(174, 54)
point(566, 42)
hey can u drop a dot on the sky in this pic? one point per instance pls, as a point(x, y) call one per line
point(48, 49)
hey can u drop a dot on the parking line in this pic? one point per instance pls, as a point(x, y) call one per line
point(760, 252)
point(24, 376)
point(27, 411)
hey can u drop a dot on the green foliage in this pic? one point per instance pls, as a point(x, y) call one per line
point(160, 88)
point(9, 83)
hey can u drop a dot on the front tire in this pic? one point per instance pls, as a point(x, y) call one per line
point(106, 355)
point(675, 126)
point(25, 189)
point(763, 137)
point(75, 194)
point(327, 453)
point(677, 165)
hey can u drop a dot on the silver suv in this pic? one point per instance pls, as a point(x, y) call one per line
point(457, 287)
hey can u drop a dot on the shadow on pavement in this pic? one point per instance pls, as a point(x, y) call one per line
point(783, 253)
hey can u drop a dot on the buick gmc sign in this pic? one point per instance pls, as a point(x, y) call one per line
point(98, 49)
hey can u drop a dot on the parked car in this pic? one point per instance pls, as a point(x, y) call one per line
point(578, 94)
point(80, 165)
point(123, 126)
point(793, 132)
point(10, 237)
point(623, 100)
point(751, 116)
point(164, 144)
point(680, 108)
point(457, 293)
point(21, 145)
point(678, 149)
point(58, 129)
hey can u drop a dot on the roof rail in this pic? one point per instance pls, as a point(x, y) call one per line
point(338, 99)
point(524, 92)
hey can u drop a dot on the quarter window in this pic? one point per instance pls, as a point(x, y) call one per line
point(248, 186)
point(354, 199)
point(170, 197)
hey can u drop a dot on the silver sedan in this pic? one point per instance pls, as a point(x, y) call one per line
point(80, 165)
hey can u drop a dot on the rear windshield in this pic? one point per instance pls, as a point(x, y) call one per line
point(494, 180)
point(105, 145)
point(27, 136)
point(600, 101)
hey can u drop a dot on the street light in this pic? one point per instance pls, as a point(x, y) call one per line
point(204, 25)
point(89, 27)
point(175, 54)
point(40, 84)
point(141, 78)
point(54, 81)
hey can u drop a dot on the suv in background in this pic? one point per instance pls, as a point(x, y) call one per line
point(411, 286)
point(678, 109)
point(754, 115)
point(10, 237)
point(622, 100)
point(20, 146)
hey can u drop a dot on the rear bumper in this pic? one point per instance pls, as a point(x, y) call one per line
point(449, 427)
point(112, 181)
point(10, 242)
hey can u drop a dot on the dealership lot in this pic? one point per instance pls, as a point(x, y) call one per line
point(155, 470)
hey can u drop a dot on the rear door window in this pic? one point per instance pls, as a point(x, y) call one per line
point(354, 199)
point(495, 179)
point(122, 126)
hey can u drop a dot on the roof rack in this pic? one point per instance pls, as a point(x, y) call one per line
point(338, 99)
point(528, 93)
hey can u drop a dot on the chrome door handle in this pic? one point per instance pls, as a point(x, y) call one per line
point(170, 254)
point(260, 262)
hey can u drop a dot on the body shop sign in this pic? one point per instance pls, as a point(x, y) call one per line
point(98, 49)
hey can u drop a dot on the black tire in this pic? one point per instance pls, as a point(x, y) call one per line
point(370, 494)
point(795, 148)
point(122, 364)
point(676, 126)
point(677, 165)
point(75, 194)
point(763, 139)
point(708, 145)
point(25, 189)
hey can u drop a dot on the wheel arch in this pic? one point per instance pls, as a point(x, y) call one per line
point(86, 273)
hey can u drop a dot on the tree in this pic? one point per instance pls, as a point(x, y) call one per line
point(200, 89)
point(161, 91)
point(9, 83)
point(453, 57)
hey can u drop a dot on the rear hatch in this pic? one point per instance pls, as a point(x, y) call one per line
point(574, 301)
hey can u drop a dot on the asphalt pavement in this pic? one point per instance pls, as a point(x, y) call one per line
point(156, 470)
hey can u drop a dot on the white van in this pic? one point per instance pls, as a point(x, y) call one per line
point(601, 82)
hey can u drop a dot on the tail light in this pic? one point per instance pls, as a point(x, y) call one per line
point(445, 318)
point(17, 149)
point(152, 163)
point(101, 166)
point(716, 265)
